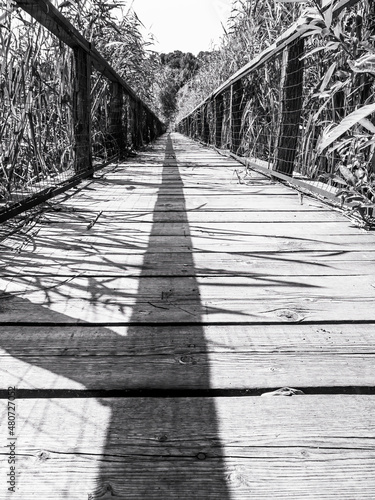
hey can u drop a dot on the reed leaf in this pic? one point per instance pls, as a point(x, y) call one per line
point(333, 133)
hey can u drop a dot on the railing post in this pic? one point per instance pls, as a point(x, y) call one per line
point(219, 113)
point(290, 109)
point(211, 121)
point(150, 122)
point(125, 118)
point(139, 121)
point(205, 124)
point(115, 116)
point(147, 127)
point(236, 115)
point(189, 126)
point(198, 118)
point(82, 112)
point(133, 122)
point(151, 127)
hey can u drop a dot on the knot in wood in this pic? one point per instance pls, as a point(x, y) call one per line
point(163, 438)
point(201, 456)
point(103, 491)
point(43, 456)
point(187, 360)
point(288, 315)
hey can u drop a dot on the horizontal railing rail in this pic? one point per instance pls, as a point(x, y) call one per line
point(293, 33)
point(48, 139)
point(48, 16)
point(285, 108)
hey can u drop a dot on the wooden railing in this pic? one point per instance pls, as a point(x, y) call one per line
point(131, 121)
point(259, 112)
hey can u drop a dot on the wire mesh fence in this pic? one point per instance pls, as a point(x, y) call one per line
point(35, 111)
point(61, 115)
point(306, 106)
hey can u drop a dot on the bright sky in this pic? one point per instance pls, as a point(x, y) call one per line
point(186, 25)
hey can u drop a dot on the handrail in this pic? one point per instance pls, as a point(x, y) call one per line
point(284, 40)
point(88, 134)
point(51, 18)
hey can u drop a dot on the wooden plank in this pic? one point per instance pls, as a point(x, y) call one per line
point(176, 192)
point(246, 245)
point(52, 308)
point(191, 203)
point(175, 184)
point(282, 339)
point(109, 239)
point(235, 448)
point(189, 289)
point(214, 229)
point(46, 262)
point(187, 357)
point(58, 216)
point(182, 299)
point(174, 187)
point(104, 333)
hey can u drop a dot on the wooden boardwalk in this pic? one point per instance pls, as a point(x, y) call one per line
point(144, 314)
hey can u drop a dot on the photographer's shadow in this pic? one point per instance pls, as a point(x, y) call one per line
point(159, 442)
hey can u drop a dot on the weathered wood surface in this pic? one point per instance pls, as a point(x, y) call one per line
point(204, 299)
point(188, 357)
point(317, 217)
point(301, 447)
point(175, 271)
point(262, 264)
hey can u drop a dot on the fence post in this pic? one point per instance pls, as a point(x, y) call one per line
point(125, 119)
point(150, 127)
point(219, 113)
point(82, 112)
point(205, 124)
point(116, 128)
point(236, 115)
point(132, 122)
point(198, 119)
point(139, 121)
point(290, 110)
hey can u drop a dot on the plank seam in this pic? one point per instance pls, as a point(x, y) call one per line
point(185, 323)
point(182, 393)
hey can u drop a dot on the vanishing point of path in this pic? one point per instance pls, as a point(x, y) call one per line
point(143, 316)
